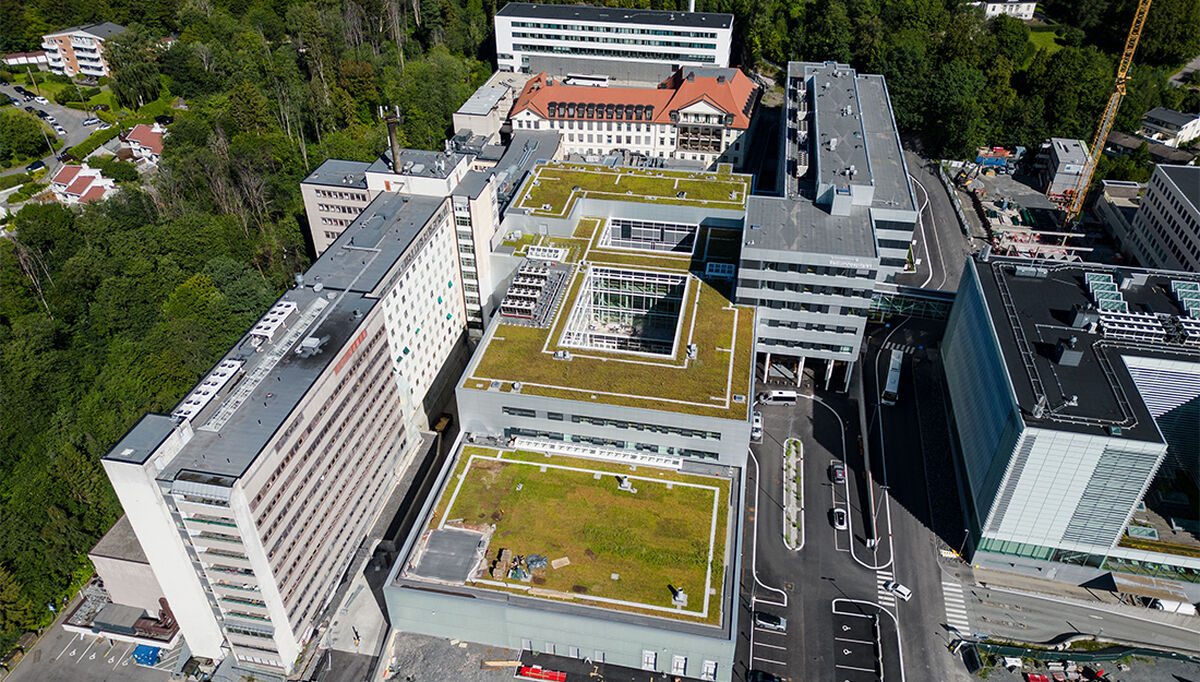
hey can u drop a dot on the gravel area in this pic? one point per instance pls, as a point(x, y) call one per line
point(419, 658)
point(1140, 670)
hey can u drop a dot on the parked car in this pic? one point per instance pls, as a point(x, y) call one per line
point(41, 100)
point(103, 126)
point(769, 621)
point(66, 157)
point(29, 109)
point(48, 118)
point(839, 518)
point(897, 589)
point(164, 120)
point(762, 676)
point(756, 426)
point(837, 472)
point(14, 101)
point(35, 166)
point(91, 121)
point(60, 131)
point(100, 107)
point(40, 114)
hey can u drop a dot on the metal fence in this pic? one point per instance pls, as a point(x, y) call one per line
point(954, 201)
point(1107, 654)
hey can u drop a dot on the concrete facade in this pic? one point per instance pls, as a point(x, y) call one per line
point(124, 569)
point(1017, 9)
point(79, 50)
point(1166, 229)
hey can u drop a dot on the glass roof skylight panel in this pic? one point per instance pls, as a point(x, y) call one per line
point(1092, 277)
point(1112, 305)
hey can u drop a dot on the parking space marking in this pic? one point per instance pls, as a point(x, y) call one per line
point(123, 657)
point(856, 641)
point(767, 660)
point(89, 646)
point(771, 646)
point(851, 667)
point(769, 632)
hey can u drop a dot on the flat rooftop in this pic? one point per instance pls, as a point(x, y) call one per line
point(595, 534)
point(800, 225)
point(1187, 180)
point(554, 187)
point(339, 173)
point(1107, 403)
point(482, 101)
point(419, 163)
point(715, 383)
point(527, 10)
point(274, 375)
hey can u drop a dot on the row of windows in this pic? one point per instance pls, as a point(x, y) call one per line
point(806, 288)
point(619, 54)
point(614, 41)
point(344, 196)
point(615, 423)
point(806, 345)
point(832, 271)
point(339, 222)
point(589, 28)
point(812, 326)
point(613, 443)
point(338, 208)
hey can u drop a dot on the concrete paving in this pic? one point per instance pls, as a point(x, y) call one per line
point(939, 243)
point(70, 119)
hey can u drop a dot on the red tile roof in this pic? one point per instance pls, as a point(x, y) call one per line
point(81, 184)
point(94, 194)
point(727, 90)
point(146, 136)
point(66, 174)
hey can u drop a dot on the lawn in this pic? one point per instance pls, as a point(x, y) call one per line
point(556, 185)
point(1045, 40)
point(701, 386)
point(660, 536)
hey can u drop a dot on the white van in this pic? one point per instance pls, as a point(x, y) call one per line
point(783, 397)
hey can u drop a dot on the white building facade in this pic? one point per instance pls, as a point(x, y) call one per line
point(79, 50)
point(1018, 9)
point(610, 34)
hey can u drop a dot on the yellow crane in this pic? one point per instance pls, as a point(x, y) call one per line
point(1110, 112)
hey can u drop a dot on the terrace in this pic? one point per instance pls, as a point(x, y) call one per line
point(590, 532)
point(553, 188)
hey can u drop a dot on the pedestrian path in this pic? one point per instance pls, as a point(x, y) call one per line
point(885, 598)
point(956, 606)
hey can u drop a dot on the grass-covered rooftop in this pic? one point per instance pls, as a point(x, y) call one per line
point(715, 383)
point(623, 550)
point(552, 188)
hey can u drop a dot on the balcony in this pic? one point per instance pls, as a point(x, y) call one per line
point(209, 521)
point(215, 556)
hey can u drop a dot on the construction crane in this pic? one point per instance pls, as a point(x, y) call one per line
point(1110, 113)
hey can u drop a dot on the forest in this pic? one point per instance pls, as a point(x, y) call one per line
point(116, 310)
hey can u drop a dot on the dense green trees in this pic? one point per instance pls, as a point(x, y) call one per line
point(21, 135)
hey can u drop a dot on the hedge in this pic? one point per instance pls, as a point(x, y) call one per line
point(7, 181)
point(81, 150)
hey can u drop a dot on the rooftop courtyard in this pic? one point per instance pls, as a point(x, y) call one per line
point(593, 532)
point(553, 188)
point(630, 328)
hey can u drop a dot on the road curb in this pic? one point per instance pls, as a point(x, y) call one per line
point(793, 492)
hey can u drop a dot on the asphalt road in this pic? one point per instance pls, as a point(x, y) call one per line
point(70, 119)
point(829, 600)
point(940, 249)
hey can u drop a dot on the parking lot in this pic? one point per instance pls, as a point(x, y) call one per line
point(857, 629)
point(71, 121)
point(62, 655)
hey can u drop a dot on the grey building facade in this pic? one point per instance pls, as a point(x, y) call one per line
point(1166, 230)
point(811, 257)
point(1065, 413)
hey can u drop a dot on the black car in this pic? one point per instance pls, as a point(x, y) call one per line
point(762, 676)
point(35, 166)
point(164, 120)
point(29, 109)
point(66, 157)
point(40, 113)
point(100, 107)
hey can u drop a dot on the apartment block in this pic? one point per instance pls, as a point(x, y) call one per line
point(610, 36)
point(1075, 391)
point(1166, 228)
point(252, 496)
point(79, 50)
point(334, 194)
point(703, 115)
point(812, 258)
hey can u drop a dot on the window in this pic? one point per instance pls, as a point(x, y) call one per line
point(678, 665)
point(649, 660)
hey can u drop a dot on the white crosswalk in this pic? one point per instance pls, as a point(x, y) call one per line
point(907, 348)
point(885, 598)
point(956, 606)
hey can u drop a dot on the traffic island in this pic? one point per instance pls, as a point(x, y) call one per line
point(793, 485)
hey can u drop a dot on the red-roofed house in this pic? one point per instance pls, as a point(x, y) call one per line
point(81, 184)
point(698, 114)
point(146, 142)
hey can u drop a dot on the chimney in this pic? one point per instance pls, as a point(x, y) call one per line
point(691, 5)
point(393, 122)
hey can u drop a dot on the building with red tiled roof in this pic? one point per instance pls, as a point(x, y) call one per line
point(80, 184)
point(146, 142)
point(698, 114)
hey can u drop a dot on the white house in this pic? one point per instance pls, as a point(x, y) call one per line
point(1170, 127)
point(80, 185)
point(1014, 8)
point(146, 141)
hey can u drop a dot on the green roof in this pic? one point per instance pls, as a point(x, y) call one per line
point(672, 532)
point(553, 187)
